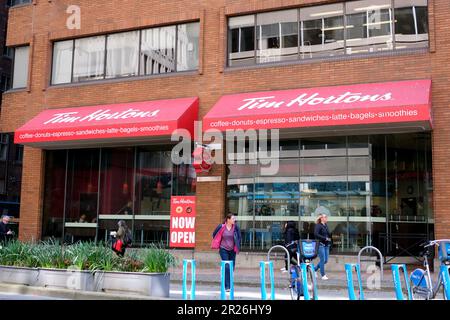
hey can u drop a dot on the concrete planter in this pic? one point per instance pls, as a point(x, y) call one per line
point(66, 279)
point(148, 284)
point(19, 275)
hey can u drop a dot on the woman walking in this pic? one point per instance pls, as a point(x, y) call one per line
point(122, 238)
point(323, 235)
point(227, 238)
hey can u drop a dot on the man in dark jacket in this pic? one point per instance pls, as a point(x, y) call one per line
point(322, 233)
point(5, 230)
point(291, 235)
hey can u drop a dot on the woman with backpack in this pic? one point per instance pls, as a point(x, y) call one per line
point(122, 238)
point(227, 238)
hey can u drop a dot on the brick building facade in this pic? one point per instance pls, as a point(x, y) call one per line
point(43, 22)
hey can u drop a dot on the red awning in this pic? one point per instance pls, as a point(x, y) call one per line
point(402, 104)
point(125, 123)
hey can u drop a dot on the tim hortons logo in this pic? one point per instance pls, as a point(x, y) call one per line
point(312, 100)
point(70, 117)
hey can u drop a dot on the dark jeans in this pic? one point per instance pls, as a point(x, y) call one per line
point(226, 255)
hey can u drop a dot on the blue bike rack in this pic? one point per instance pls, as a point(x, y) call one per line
point(349, 267)
point(184, 287)
point(223, 295)
point(398, 282)
point(303, 268)
point(445, 272)
point(262, 267)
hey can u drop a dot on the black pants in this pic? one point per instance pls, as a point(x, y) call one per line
point(292, 248)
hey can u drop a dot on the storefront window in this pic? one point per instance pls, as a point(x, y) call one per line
point(87, 191)
point(89, 59)
point(116, 179)
point(122, 54)
point(158, 50)
point(82, 194)
point(411, 23)
point(360, 182)
point(277, 36)
point(54, 194)
point(153, 182)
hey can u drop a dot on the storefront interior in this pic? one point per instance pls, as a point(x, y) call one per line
point(376, 189)
point(88, 190)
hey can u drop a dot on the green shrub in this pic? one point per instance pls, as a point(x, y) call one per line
point(85, 256)
point(157, 259)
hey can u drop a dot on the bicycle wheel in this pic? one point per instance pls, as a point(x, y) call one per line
point(295, 285)
point(312, 285)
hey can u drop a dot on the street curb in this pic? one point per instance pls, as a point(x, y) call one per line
point(71, 294)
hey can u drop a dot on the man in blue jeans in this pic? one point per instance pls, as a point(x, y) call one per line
point(323, 235)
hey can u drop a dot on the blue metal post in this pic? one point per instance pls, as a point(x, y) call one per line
point(184, 287)
point(262, 266)
point(304, 267)
point(398, 282)
point(223, 295)
point(445, 273)
point(351, 288)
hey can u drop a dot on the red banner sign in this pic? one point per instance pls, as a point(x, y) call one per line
point(182, 222)
point(361, 104)
point(115, 121)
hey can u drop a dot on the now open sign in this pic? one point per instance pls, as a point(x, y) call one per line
point(182, 222)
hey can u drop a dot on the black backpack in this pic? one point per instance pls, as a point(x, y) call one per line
point(128, 239)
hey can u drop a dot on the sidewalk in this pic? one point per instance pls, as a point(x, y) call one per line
point(251, 278)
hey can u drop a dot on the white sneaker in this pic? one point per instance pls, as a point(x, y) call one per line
point(283, 270)
point(325, 277)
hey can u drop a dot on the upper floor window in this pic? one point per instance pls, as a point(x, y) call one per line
point(20, 67)
point(4, 144)
point(126, 54)
point(12, 3)
point(348, 28)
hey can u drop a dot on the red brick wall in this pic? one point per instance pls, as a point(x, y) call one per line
point(45, 20)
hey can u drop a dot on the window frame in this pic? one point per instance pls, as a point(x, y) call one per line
point(121, 78)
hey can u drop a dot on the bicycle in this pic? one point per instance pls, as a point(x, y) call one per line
point(421, 283)
point(306, 253)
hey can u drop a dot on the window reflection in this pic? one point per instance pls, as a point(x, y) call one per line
point(369, 26)
point(89, 59)
point(411, 24)
point(158, 50)
point(365, 26)
point(122, 54)
point(277, 36)
point(322, 31)
point(242, 40)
